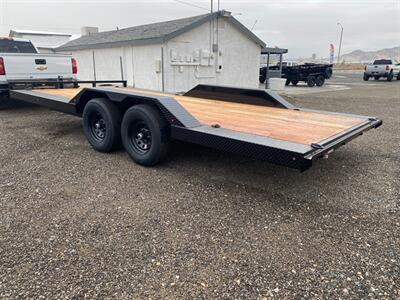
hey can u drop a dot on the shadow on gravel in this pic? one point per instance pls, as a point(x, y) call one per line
point(222, 162)
point(7, 103)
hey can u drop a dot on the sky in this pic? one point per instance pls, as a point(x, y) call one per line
point(304, 27)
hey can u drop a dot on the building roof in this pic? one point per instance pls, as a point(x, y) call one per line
point(274, 50)
point(33, 32)
point(151, 33)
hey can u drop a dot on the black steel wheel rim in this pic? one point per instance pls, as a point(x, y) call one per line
point(98, 126)
point(140, 137)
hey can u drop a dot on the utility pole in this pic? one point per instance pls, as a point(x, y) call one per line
point(340, 43)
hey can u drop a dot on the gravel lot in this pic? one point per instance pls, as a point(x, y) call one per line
point(75, 223)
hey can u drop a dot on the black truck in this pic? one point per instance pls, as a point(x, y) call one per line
point(310, 73)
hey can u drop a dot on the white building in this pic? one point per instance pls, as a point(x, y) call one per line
point(172, 56)
point(44, 41)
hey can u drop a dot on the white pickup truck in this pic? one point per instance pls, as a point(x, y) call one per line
point(382, 68)
point(21, 62)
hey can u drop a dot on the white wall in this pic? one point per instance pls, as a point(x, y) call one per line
point(139, 65)
point(145, 75)
point(238, 56)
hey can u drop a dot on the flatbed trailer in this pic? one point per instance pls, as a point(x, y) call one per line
point(251, 122)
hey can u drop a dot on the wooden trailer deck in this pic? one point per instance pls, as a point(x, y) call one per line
point(301, 127)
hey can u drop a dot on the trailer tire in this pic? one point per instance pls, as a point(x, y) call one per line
point(262, 79)
point(320, 80)
point(145, 134)
point(101, 125)
point(287, 82)
point(366, 77)
point(311, 81)
point(390, 76)
point(294, 82)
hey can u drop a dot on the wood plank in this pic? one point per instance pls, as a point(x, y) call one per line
point(282, 124)
point(67, 93)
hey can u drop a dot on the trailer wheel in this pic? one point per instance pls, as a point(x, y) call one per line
point(101, 124)
point(287, 82)
point(320, 80)
point(294, 82)
point(366, 77)
point(311, 81)
point(263, 78)
point(390, 76)
point(145, 134)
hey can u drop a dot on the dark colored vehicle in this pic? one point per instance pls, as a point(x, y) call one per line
point(312, 74)
point(252, 122)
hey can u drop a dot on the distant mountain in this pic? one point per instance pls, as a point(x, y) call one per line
point(367, 56)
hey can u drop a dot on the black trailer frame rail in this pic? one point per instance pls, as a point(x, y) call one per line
point(186, 127)
point(59, 83)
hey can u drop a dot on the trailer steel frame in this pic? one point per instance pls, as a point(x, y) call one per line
point(185, 127)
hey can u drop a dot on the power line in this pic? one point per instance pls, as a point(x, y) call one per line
point(191, 4)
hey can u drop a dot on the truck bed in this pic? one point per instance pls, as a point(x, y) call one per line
point(302, 127)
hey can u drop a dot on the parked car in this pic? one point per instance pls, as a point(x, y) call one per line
point(20, 61)
point(382, 68)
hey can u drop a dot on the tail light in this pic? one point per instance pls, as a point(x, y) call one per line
point(2, 67)
point(74, 66)
point(387, 68)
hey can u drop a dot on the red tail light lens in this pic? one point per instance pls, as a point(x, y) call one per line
point(2, 67)
point(74, 66)
point(387, 68)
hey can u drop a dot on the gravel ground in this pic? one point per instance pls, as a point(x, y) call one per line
point(76, 224)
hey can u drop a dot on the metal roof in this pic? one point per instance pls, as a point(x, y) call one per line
point(34, 32)
point(151, 33)
point(274, 51)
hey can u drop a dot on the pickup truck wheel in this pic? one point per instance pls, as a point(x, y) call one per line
point(366, 77)
point(390, 76)
point(295, 82)
point(376, 77)
point(320, 80)
point(287, 82)
point(262, 79)
point(101, 124)
point(398, 76)
point(311, 81)
point(145, 134)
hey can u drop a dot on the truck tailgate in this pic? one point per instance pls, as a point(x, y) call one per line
point(36, 66)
